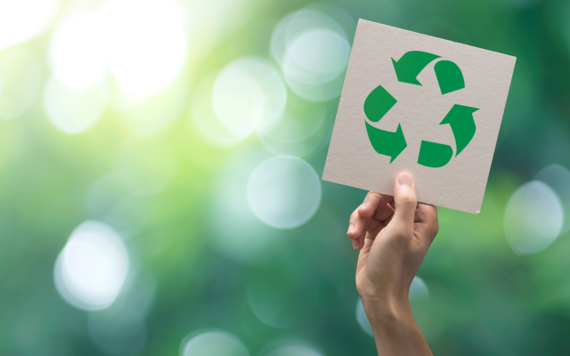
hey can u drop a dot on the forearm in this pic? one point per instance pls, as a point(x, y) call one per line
point(395, 330)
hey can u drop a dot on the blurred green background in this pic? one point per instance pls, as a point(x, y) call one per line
point(160, 190)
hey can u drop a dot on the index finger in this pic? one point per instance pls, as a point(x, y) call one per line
point(371, 203)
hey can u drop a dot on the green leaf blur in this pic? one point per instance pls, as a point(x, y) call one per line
point(201, 258)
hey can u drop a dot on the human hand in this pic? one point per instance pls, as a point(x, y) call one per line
point(393, 235)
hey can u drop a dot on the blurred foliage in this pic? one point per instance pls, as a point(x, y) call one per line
point(484, 298)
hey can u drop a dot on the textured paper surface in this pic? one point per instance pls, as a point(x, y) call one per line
point(353, 161)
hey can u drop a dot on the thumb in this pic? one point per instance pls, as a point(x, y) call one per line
point(405, 200)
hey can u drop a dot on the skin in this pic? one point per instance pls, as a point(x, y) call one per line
point(393, 235)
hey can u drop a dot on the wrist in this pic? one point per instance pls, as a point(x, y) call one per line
point(387, 308)
point(394, 327)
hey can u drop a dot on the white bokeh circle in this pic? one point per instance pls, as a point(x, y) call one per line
point(20, 82)
point(297, 350)
point(316, 56)
point(533, 218)
point(212, 343)
point(92, 267)
point(418, 289)
point(72, 111)
point(77, 54)
point(312, 49)
point(284, 192)
point(282, 300)
point(249, 95)
point(242, 236)
point(146, 43)
point(22, 20)
point(204, 120)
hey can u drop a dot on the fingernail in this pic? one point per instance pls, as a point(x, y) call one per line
point(350, 228)
point(354, 244)
point(405, 179)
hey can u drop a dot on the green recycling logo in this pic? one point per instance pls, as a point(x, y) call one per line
point(459, 118)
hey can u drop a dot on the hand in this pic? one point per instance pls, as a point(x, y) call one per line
point(393, 235)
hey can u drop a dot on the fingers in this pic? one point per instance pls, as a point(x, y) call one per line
point(370, 225)
point(355, 225)
point(426, 219)
point(384, 212)
point(363, 213)
point(371, 203)
point(366, 216)
point(357, 230)
point(405, 200)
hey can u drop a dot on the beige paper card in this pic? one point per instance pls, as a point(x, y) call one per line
point(421, 104)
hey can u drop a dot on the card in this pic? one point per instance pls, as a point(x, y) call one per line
point(420, 104)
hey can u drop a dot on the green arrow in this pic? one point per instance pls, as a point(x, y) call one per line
point(411, 64)
point(460, 118)
point(434, 155)
point(449, 76)
point(387, 143)
point(378, 103)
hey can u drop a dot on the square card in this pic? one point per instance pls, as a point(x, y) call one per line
point(421, 104)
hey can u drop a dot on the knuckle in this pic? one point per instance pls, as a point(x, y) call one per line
point(435, 228)
point(354, 216)
point(370, 197)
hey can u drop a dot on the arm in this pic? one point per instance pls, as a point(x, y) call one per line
point(393, 235)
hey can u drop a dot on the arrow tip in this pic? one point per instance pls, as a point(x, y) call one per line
point(402, 143)
point(403, 75)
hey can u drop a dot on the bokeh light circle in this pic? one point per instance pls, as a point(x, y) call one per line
point(282, 300)
point(72, 111)
point(92, 267)
point(204, 119)
point(147, 43)
point(316, 56)
point(212, 343)
point(22, 20)
point(20, 82)
point(290, 347)
point(77, 54)
point(249, 94)
point(313, 50)
point(418, 290)
point(241, 236)
point(284, 192)
point(304, 128)
point(533, 218)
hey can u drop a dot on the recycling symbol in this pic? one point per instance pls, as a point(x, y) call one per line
point(459, 118)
